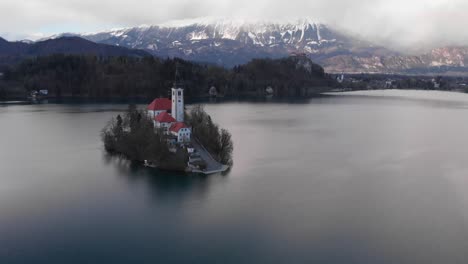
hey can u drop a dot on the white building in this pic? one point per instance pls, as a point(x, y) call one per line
point(44, 92)
point(178, 110)
point(213, 91)
point(181, 131)
point(340, 78)
point(158, 106)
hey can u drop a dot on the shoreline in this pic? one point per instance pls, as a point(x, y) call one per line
point(419, 94)
point(227, 99)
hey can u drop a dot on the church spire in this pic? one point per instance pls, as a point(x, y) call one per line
point(178, 109)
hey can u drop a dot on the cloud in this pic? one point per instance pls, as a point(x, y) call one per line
point(403, 24)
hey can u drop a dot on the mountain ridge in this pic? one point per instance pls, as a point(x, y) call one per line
point(13, 52)
point(216, 40)
point(231, 42)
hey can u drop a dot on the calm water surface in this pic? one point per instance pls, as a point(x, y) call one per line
point(369, 177)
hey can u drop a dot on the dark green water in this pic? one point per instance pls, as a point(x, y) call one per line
point(376, 177)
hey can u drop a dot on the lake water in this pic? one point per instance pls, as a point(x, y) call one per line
point(366, 177)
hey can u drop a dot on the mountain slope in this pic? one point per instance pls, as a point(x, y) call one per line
point(440, 60)
point(233, 42)
point(11, 48)
point(12, 52)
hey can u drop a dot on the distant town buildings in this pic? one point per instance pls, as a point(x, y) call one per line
point(213, 92)
point(298, 54)
point(340, 78)
point(376, 81)
point(389, 84)
point(436, 83)
point(39, 94)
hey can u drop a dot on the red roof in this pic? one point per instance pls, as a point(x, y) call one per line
point(177, 126)
point(160, 104)
point(164, 117)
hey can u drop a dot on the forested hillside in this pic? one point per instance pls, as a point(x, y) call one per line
point(148, 77)
point(14, 52)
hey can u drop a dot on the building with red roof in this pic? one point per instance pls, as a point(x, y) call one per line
point(172, 123)
point(159, 105)
point(181, 131)
point(164, 120)
point(165, 117)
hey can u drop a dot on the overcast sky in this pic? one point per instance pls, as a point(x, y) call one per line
point(399, 23)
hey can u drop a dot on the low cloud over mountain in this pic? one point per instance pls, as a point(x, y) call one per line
point(404, 25)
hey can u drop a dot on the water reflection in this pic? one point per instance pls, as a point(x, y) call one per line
point(435, 99)
point(164, 185)
point(257, 99)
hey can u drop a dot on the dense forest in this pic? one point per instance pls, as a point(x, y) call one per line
point(149, 77)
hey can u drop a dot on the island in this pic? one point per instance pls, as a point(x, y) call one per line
point(167, 137)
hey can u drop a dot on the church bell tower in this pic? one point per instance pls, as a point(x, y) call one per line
point(178, 104)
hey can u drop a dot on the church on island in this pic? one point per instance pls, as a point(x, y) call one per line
point(168, 115)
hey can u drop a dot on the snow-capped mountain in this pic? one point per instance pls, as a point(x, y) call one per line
point(230, 42)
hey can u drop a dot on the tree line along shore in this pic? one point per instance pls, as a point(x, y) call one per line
point(149, 77)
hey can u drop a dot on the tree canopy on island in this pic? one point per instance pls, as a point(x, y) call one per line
point(217, 141)
point(133, 137)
